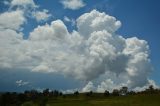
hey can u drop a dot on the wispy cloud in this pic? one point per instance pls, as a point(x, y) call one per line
point(21, 83)
point(72, 21)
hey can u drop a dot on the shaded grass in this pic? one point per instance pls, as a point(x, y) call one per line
point(100, 100)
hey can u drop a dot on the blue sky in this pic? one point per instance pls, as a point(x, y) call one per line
point(139, 18)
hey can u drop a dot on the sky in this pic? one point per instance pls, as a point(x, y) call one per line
point(80, 45)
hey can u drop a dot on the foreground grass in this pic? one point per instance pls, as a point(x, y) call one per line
point(100, 100)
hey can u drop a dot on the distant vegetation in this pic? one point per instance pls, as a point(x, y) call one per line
point(122, 97)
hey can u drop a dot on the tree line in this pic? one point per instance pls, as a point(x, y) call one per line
point(16, 99)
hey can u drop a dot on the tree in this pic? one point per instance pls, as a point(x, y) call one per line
point(151, 88)
point(76, 93)
point(123, 91)
point(89, 93)
point(46, 92)
point(115, 92)
point(131, 93)
point(60, 93)
point(106, 93)
point(55, 93)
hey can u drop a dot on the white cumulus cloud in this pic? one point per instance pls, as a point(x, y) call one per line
point(23, 3)
point(30, 9)
point(73, 4)
point(92, 51)
point(96, 21)
point(89, 87)
point(12, 20)
point(41, 15)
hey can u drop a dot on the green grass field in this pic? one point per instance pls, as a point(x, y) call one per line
point(100, 100)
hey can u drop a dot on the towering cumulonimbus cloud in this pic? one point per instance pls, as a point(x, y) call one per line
point(94, 51)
